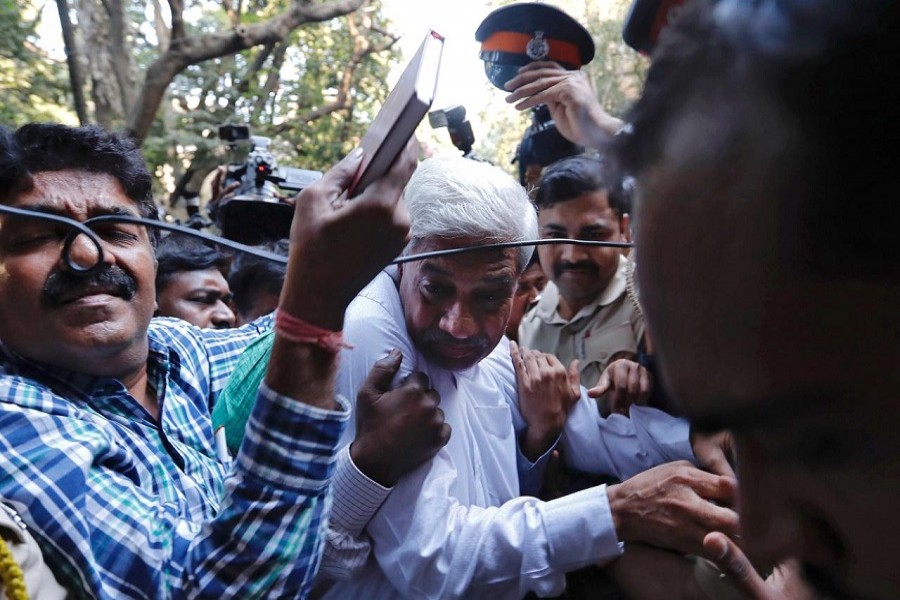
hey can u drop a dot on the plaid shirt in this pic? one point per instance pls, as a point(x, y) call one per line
point(124, 506)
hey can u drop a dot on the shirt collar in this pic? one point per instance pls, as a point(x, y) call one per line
point(82, 386)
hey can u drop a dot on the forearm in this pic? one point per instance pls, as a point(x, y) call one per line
point(268, 533)
point(302, 371)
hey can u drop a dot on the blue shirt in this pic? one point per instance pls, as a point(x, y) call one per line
point(125, 506)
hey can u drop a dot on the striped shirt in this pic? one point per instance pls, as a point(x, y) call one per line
point(125, 506)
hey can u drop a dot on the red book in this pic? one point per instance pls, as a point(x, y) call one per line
point(405, 107)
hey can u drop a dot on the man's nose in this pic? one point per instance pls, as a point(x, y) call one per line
point(572, 253)
point(223, 317)
point(82, 254)
point(459, 322)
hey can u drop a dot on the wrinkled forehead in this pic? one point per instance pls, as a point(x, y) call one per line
point(75, 193)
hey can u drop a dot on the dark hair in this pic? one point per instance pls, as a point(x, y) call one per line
point(178, 253)
point(791, 100)
point(576, 176)
point(251, 275)
point(39, 147)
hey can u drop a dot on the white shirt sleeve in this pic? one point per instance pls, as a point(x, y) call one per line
point(356, 499)
point(429, 545)
point(623, 446)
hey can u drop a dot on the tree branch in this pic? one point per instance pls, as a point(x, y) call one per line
point(188, 50)
point(177, 9)
point(76, 78)
point(362, 47)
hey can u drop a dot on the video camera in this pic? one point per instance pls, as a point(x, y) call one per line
point(256, 211)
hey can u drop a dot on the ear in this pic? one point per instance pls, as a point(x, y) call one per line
point(625, 226)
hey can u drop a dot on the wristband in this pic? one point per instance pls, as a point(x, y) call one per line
point(297, 330)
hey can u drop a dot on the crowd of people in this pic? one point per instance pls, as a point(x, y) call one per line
point(709, 416)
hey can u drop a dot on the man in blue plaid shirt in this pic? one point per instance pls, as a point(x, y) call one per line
point(106, 444)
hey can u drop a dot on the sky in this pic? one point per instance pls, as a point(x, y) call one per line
point(462, 73)
point(462, 79)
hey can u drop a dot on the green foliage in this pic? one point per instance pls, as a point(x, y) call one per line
point(282, 92)
point(34, 86)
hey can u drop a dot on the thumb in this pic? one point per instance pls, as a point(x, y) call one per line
point(340, 176)
point(379, 379)
point(601, 387)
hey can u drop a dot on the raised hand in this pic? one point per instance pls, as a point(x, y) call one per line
point(623, 383)
point(547, 393)
point(570, 98)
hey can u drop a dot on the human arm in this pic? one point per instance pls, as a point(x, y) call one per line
point(570, 98)
point(393, 431)
point(123, 522)
point(431, 541)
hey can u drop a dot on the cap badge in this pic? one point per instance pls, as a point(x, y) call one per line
point(537, 47)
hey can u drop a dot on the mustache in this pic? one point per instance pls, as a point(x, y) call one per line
point(582, 265)
point(436, 336)
point(63, 285)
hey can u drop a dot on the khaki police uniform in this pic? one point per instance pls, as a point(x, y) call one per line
point(605, 328)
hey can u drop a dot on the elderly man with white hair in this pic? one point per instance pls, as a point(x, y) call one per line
point(459, 526)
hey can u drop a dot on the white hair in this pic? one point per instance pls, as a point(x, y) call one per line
point(451, 196)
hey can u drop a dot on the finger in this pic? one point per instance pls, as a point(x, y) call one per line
point(532, 72)
point(531, 363)
point(417, 380)
point(618, 400)
point(528, 89)
point(446, 430)
point(645, 386)
point(518, 362)
point(602, 385)
point(712, 487)
point(382, 373)
point(553, 361)
point(718, 463)
point(575, 377)
point(634, 381)
point(725, 554)
point(338, 178)
point(548, 363)
point(387, 189)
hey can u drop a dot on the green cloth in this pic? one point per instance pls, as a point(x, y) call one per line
point(235, 402)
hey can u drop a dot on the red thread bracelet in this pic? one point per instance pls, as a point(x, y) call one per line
point(297, 330)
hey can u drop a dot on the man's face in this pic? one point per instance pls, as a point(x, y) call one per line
point(530, 285)
point(457, 307)
point(580, 272)
point(96, 324)
point(802, 368)
point(198, 297)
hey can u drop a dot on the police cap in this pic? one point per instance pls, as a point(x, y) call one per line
point(517, 34)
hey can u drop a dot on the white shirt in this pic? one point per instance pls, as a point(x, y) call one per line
point(456, 527)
